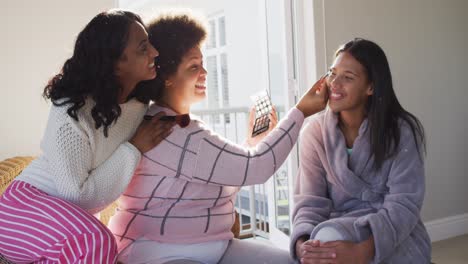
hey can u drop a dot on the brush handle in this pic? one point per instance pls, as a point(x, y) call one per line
point(164, 118)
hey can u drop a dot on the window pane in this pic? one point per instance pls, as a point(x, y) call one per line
point(225, 85)
point(278, 78)
point(212, 85)
point(222, 31)
point(211, 43)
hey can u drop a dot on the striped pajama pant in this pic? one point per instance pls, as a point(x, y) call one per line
point(38, 228)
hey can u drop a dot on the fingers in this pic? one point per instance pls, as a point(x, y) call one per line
point(311, 259)
point(318, 83)
point(160, 131)
point(316, 247)
point(273, 115)
point(156, 122)
point(323, 91)
point(313, 252)
point(161, 127)
point(251, 116)
point(273, 120)
point(151, 132)
point(312, 243)
point(158, 116)
point(320, 86)
point(157, 129)
point(154, 118)
point(251, 121)
point(332, 244)
point(161, 135)
point(307, 260)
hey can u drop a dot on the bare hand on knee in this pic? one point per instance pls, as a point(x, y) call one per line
point(350, 252)
point(311, 252)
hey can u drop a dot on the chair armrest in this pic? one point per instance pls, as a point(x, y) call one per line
point(10, 168)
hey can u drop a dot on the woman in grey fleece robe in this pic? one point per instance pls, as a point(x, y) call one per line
point(360, 186)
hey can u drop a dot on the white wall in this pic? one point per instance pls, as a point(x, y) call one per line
point(37, 37)
point(426, 43)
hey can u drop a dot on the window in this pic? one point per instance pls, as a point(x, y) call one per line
point(225, 85)
point(217, 67)
point(212, 84)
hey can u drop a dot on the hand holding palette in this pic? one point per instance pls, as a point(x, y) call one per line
point(263, 107)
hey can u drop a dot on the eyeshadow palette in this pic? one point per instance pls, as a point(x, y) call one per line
point(263, 107)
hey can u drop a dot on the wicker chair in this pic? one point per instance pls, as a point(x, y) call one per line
point(10, 168)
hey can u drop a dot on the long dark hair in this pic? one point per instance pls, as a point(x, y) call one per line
point(173, 34)
point(90, 71)
point(384, 112)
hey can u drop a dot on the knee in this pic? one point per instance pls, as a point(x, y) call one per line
point(99, 246)
point(326, 234)
point(106, 236)
point(98, 236)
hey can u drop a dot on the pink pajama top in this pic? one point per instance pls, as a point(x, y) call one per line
point(184, 189)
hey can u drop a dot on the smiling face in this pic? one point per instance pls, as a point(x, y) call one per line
point(137, 61)
point(188, 84)
point(349, 87)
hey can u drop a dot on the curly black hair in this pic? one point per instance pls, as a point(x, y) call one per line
point(90, 72)
point(173, 34)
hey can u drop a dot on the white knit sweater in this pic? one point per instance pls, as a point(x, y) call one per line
point(79, 164)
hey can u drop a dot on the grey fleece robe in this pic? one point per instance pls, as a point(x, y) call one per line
point(348, 193)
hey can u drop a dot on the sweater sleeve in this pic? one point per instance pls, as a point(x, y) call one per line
point(312, 205)
point(400, 212)
point(220, 161)
point(75, 178)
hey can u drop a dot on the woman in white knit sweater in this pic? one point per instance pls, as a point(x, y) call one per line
point(90, 149)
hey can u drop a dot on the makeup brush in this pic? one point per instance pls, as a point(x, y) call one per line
point(181, 120)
